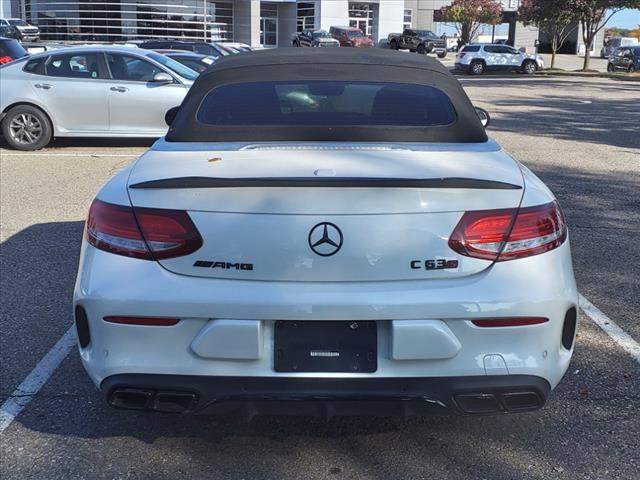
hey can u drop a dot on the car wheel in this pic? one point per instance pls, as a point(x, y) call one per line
point(631, 69)
point(529, 67)
point(442, 54)
point(476, 67)
point(421, 50)
point(26, 128)
point(610, 67)
point(296, 43)
point(394, 45)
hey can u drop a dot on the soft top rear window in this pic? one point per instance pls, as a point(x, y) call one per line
point(326, 103)
point(471, 48)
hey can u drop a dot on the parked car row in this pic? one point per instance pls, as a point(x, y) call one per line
point(335, 37)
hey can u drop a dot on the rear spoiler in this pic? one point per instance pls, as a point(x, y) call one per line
point(305, 182)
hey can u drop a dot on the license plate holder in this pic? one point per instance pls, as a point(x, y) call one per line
point(326, 346)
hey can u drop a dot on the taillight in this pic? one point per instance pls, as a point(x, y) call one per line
point(508, 234)
point(146, 233)
point(5, 59)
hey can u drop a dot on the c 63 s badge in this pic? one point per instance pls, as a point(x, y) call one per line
point(434, 264)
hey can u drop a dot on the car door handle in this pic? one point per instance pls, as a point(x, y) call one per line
point(44, 86)
point(119, 89)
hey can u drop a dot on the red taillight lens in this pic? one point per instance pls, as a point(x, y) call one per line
point(509, 322)
point(5, 59)
point(145, 233)
point(508, 234)
point(146, 321)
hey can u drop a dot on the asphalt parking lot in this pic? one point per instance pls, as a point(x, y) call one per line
point(581, 136)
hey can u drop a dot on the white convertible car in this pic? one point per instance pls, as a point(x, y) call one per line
point(326, 232)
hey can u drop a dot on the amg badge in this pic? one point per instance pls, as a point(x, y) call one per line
point(223, 265)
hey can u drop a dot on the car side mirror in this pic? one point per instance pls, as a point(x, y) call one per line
point(162, 78)
point(170, 116)
point(483, 115)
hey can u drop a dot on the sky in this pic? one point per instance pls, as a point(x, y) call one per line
point(628, 18)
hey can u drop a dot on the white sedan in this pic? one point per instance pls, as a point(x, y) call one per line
point(329, 236)
point(89, 91)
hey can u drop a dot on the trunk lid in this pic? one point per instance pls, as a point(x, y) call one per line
point(325, 214)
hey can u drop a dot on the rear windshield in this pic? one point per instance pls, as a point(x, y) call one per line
point(326, 103)
point(12, 49)
point(471, 48)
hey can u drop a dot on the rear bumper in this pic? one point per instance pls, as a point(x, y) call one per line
point(248, 396)
point(541, 286)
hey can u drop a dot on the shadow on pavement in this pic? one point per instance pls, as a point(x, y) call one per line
point(66, 142)
point(605, 121)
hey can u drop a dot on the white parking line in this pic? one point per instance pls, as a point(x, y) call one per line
point(618, 335)
point(31, 385)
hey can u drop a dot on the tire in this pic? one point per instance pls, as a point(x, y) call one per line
point(421, 49)
point(36, 136)
point(529, 67)
point(610, 68)
point(442, 54)
point(476, 67)
point(393, 45)
point(631, 69)
point(296, 43)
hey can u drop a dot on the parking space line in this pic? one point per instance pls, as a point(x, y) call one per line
point(31, 385)
point(618, 335)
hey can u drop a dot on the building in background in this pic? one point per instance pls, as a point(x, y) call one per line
point(255, 22)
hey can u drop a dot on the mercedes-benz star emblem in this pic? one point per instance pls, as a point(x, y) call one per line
point(325, 239)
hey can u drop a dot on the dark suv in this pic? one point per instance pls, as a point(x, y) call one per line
point(625, 58)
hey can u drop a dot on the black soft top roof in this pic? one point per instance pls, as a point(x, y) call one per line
point(340, 64)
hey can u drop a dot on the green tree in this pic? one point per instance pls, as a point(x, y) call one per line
point(557, 19)
point(468, 15)
point(593, 16)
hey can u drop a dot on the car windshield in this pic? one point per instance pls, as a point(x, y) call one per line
point(425, 33)
point(355, 33)
point(175, 66)
point(321, 34)
point(18, 23)
point(315, 103)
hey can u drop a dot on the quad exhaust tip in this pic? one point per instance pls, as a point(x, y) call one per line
point(146, 399)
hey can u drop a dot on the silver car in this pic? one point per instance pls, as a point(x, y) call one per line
point(89, 91)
